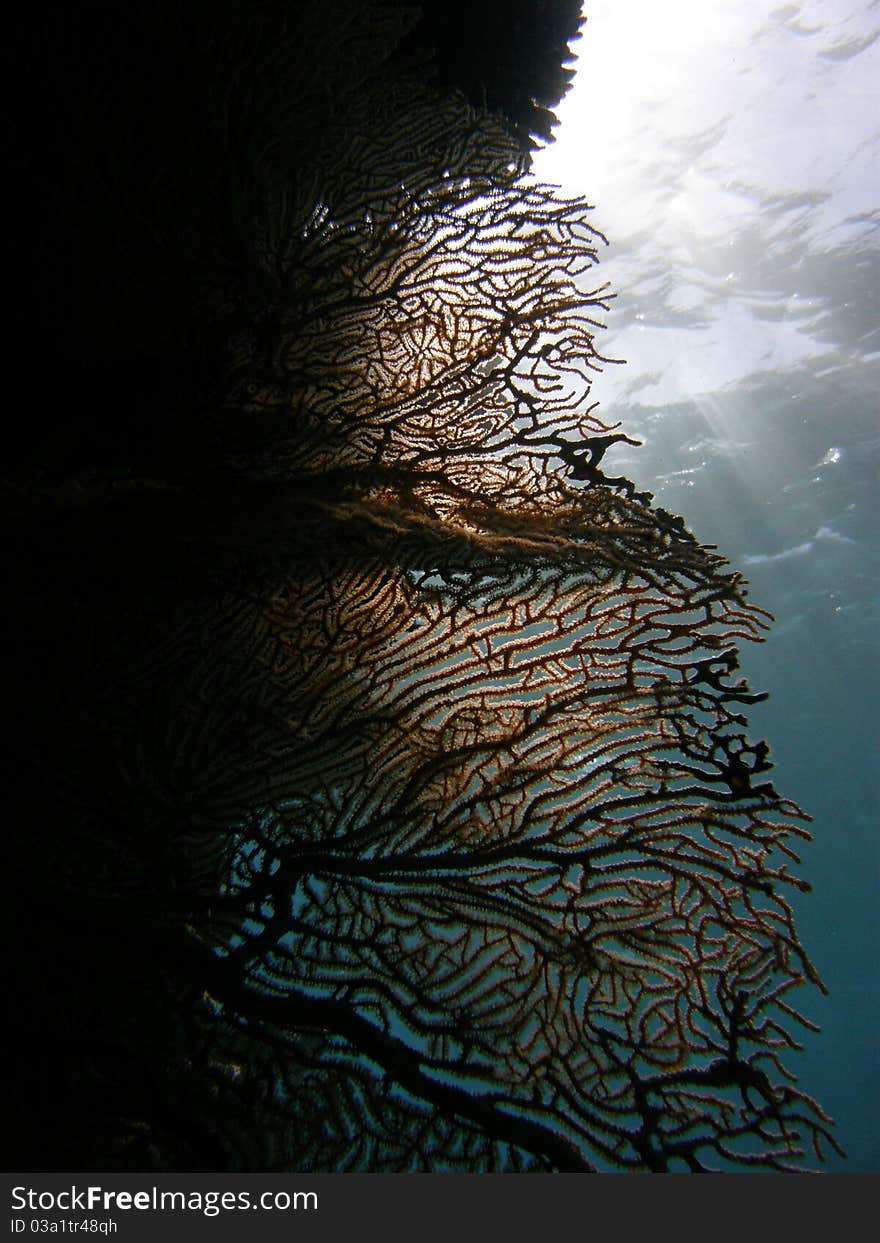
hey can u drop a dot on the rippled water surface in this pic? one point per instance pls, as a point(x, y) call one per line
point(732, 149)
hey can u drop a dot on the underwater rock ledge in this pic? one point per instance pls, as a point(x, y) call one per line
point(382, 789)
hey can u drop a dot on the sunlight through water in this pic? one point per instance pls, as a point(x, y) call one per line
point(730, 148)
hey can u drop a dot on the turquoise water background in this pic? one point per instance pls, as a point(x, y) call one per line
point(732, 151)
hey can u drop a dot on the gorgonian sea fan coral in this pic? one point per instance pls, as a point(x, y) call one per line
point(430, 756)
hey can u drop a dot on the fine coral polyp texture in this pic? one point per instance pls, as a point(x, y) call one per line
point(405, 751)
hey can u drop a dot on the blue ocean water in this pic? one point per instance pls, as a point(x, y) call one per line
point(732, 150)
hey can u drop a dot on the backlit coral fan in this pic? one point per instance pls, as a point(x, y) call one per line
point(397, 809)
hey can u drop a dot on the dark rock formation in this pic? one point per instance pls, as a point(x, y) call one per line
point(378, 788)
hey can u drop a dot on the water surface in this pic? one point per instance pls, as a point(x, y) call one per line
point(731, 150)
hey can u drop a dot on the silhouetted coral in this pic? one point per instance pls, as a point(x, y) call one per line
point(383, 789)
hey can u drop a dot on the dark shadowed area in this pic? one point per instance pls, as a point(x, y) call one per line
point(382, 788)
